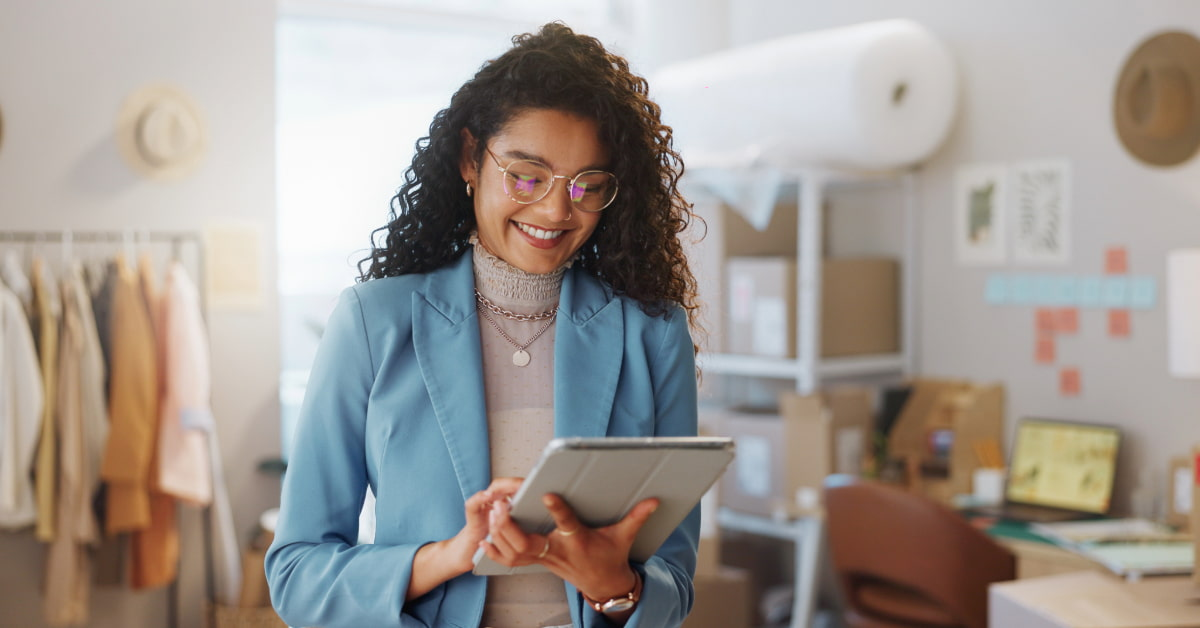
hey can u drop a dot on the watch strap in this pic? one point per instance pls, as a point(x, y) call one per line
point(620, 602)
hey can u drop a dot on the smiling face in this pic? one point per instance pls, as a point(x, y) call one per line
point(542, 236)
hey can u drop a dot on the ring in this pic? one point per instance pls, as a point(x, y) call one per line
point(545, 549)
point(564, 532)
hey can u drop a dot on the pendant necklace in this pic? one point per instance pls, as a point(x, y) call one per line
point(520, 357)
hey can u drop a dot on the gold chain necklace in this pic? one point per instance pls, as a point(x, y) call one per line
point(514, 316)
point(520, 357)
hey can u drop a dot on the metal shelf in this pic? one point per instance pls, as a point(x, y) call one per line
point(785, 368)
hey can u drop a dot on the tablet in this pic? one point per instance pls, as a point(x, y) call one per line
point(603, 478)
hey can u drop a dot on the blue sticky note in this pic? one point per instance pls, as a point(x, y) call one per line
point(1143, 292)
point(1068, 293)
point(1087, 292)
point(995, 292)
point(1115, 293)
point(1020, 289)
point(1045, 290)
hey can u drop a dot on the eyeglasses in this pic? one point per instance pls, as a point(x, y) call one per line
point(527, 181)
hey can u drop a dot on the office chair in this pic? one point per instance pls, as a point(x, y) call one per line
point(903, 560)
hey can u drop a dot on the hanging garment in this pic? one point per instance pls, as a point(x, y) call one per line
point(132, 408)
point(155, 549)
point(184, 466)
point(190, 458)
point(20, 413)
point(15, 278)
point(82, 425)
point(48, 304)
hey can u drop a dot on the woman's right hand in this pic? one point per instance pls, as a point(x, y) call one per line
point(462, 546)
point(438, 562)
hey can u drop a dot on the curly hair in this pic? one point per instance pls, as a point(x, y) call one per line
point(635, 248)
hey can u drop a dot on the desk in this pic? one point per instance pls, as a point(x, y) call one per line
point(1036, 555)
point(1093, 600)
point(805, 534)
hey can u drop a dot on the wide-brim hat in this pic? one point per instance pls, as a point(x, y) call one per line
point(161, 133)
point(1156, 106)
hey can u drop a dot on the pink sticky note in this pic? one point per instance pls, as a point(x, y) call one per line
point(1068, 381)
point(1047, 321)
point(1116, 261)
point(1118, 323)
point(1044, 352)
point(1068, 320)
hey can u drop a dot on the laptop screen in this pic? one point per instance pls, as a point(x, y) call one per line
point(1063, 465)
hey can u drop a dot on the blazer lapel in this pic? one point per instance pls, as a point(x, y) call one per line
point(589, 341)
point(446, 341)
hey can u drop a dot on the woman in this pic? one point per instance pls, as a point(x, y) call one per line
point(531, 284)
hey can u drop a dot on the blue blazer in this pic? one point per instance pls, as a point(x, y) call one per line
point(395, 401)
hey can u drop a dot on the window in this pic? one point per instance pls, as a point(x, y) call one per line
point(357, 84)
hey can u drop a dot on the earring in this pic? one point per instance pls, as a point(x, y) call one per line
point(470, 190)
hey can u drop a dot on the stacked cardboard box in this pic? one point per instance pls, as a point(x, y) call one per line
point(859, 306)
point(783, 458)
point(722, 600)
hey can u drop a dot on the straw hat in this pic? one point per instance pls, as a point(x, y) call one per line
point(160, 132)
point(1157, 102)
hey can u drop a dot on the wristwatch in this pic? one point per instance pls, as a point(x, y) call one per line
point(621, 602)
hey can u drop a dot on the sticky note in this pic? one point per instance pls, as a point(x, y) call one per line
point(1045, 291)
point(995, 291)
point(1143, 292)
point(1088, 292)
point(1116, 261)
point(1118, 323)
point(1045, 320)
point(1044, 349)
point(1066, 320)
point(1115, 292)
point(1020, 289)
point(1067, 290)
point(1068, 381)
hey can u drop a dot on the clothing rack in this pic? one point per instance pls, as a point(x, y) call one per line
point(131, 240)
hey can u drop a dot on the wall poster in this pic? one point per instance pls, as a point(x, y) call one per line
point(979, 205)
point(1042, 212)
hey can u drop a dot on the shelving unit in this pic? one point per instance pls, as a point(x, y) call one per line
point(808, 369)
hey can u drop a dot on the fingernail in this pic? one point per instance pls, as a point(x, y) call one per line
point(547, 500)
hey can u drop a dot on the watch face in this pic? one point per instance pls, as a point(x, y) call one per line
point(618, 605)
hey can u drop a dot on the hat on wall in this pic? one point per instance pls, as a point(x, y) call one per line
point(1157, 102)
point(160, 132)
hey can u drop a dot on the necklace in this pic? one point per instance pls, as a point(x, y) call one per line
point(520, 357)
point(514, 316)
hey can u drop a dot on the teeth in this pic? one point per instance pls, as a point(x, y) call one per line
point(539, 233)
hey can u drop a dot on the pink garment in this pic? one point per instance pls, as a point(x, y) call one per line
point(185, 462)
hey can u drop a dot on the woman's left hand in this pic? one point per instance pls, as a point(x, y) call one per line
point(594, 560)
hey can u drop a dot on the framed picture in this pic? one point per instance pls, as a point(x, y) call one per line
point(979, 205)
point(1179, 497)
point(1041, 202)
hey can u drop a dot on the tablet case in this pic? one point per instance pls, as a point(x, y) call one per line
point(603, 478)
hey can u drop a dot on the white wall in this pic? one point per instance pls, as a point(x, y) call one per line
point(67, 67)
point(1037, 82)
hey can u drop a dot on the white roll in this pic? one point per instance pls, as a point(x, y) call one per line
point(875, 96)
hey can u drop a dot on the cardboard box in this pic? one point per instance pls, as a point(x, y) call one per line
point(722, 600)
point(859, 306)
point(972, 414)
point(1195, 527)
point(782, 459)
point(724, 234)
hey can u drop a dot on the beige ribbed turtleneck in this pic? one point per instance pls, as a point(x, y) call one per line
point(520, 409)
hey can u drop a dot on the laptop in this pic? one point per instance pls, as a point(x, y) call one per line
point(1059, 471)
